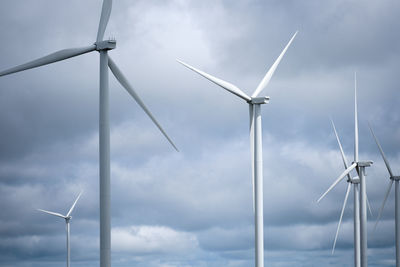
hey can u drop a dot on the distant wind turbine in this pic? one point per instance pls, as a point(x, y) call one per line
point(67, 219)
point(359, 166)
point(397, 199)
point(351, 182)
point(104, 121)
point(255, 103)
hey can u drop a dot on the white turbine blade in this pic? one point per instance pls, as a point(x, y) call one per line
point(54, 57)
point(105, 16)
point(73, 205)
point(349, 169)
point(251, 112)
point(341, 215)
point(383, 204)
point(226, 85)
point(52, 213)
point(341, 148)
point(355, 120)
point(381, 150)
point(369, 206)
point(271, 71)
point(124, 82)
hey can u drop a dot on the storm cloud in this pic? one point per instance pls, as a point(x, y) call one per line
point(194, 208)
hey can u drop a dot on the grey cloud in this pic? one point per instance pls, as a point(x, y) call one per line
point(48, 149)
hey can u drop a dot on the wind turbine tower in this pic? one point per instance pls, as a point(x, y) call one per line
point(254, 101)
point(67, 219)
point(101, 46)
point(359, 166)
point(393, 179)
point(351, 182)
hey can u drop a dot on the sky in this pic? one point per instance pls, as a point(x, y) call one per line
point(194, 207)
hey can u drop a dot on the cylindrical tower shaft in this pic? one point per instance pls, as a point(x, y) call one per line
point(68, 246)
point(258, 185)
point(357, 256)
point(363, 217)
point(397, 222)
point(104, 144)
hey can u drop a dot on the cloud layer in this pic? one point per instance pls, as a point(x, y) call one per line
point(194, 208)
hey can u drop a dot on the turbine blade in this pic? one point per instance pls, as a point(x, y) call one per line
point(271, 71)
point(124, 82)
point(349, 169)
point(226, 85)
point(369, 206)
point(381, 150)
point(341, 148)
point(73, 205)
point(355, 120)
point(251, 112)
point(52, 213)
point(54, 57)
point(341, 215)
point(383, 204)
point(105, 16)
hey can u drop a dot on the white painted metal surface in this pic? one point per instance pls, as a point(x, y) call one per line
point(357, 242)
point(104, 145)
point(397, 223)
point(258, 185)
point(363, 218)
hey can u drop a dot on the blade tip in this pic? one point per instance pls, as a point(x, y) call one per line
point(177, 150)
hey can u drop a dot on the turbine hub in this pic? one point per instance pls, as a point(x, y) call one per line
point(259, 100)
point(106, 45)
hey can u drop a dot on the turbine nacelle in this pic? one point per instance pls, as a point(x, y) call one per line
point(259, 100)
point(106, 45)
point(366, 163)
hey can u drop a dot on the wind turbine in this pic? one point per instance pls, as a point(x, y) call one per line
point(67, 219)
point(359, 166)
point(351, 182)
point(397, 199)
point(255, 103)
point(102, 47)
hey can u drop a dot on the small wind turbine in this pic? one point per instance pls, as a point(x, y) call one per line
point(104, 121)
point(397, 199)
point(67, 219)
point(255, 103)
point(350, 182)
point(359, 166)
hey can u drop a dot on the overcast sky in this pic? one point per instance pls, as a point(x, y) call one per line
point(194, 208)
